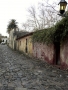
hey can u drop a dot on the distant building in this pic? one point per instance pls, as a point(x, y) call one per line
point(24, 43)
point(4, 39)
point(13, 35)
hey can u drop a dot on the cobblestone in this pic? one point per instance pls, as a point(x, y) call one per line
point(19, 72)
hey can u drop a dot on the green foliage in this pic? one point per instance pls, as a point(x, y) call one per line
point(12, 25)
point(44, 36)
point(57, 33)
point(61, 30)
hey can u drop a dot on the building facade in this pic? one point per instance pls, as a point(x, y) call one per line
point(24, 44)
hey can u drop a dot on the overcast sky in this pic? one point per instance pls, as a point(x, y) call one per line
point(14, 9)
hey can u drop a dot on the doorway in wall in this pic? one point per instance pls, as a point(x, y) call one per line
point(26, 47)
point(57, 53)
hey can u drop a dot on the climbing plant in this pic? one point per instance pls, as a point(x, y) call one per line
point(61, 30)
point(57, 33)
point(45, 35)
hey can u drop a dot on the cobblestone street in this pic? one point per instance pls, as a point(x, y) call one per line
point(18, 72)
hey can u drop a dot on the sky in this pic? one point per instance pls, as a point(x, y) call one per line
point(14, 9)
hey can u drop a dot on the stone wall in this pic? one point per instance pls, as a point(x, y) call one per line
point(25, 45)
point(64, 55)
point(44, 52)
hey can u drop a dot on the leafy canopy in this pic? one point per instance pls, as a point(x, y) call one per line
point(12, 25)
point(57, 33)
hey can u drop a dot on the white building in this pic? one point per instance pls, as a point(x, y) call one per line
point(4, 39)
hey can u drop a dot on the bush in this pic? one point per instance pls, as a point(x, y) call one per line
point(55, 34)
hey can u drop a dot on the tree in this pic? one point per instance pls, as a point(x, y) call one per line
point(32, 21)
point(12, 25)
point(45, 15)
point(48, 14)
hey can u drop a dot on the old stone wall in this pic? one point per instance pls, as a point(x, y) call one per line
point(25, 45)
point(64, 55)
point(44, 52)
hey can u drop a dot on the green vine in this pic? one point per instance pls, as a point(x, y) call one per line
point(57, 33)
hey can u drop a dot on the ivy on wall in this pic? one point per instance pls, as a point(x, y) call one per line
point(55, 34)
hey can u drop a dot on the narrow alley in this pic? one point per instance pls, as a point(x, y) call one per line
point(19, 72)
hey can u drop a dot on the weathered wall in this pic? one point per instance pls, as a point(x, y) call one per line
point(11, 38)
point(21, 45)
point(30, 45)
point(44, 52)
point(17, 44)
point(64, 55)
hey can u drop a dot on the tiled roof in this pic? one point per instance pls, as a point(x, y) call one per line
point(21, 33)
point(24, 34)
